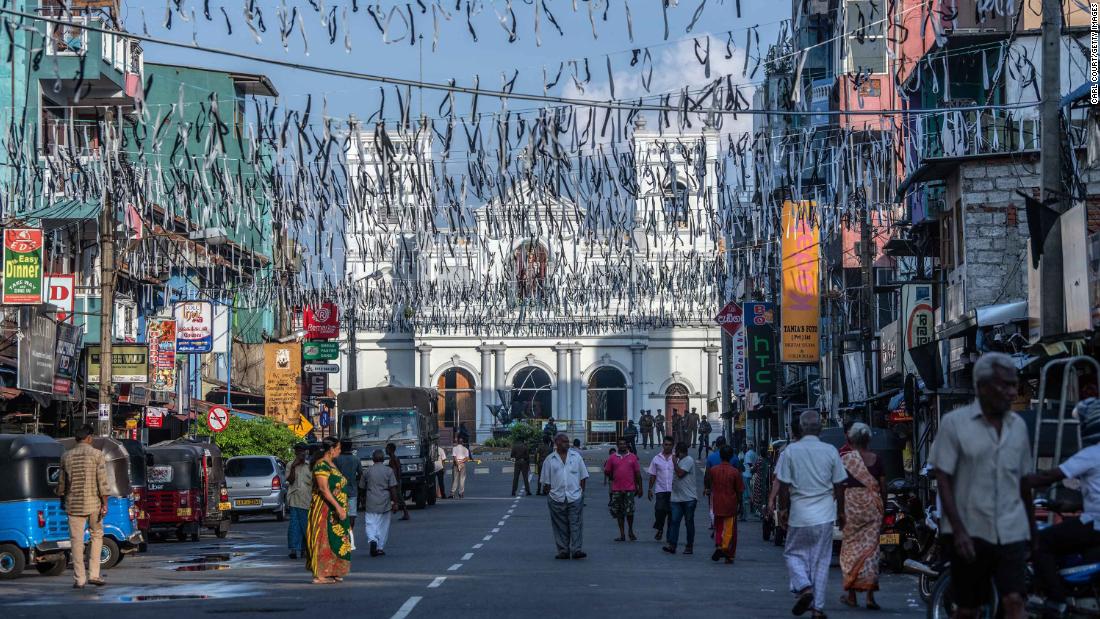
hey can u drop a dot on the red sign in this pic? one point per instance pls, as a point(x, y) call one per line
point(154, 418)
point(217, 419)
point(321, 322)
point(730, 318)
point(60, 292)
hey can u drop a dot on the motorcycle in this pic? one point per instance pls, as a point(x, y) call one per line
point(901, 538)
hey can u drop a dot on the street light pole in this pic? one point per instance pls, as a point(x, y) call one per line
point(353, 353)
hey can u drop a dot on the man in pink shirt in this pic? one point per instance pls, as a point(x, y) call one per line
point(626, 483)
point(660, 484)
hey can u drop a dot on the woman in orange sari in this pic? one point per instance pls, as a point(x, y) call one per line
point(864, 498)
point(328, 535)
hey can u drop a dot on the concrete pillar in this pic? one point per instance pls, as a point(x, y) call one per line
point(580, 411)
point(484, 417)
point(425, 351)
point(498, 381)
point(563, 410)
point(712, 372)
point(637, 372)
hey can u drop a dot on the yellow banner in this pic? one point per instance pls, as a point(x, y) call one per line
point(800, 311)
point(282, 382)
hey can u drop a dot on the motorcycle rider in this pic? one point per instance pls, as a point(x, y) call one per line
point(1073, 534)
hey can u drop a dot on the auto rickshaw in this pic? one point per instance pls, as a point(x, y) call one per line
point(185, 489)
point(33, 527)
point(121, 534)
point(139, 459)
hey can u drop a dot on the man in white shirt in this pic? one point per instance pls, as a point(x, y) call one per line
point(461, 455)
point(1073, 534)
point(563, 479)
point(810, 473)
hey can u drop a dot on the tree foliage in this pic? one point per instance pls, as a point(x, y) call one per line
point(254, 437)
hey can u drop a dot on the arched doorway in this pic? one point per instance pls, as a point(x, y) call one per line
point(606, 404)
point(531, 394)
point(457, 401)
point(676, 405)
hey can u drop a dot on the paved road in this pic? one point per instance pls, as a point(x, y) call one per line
point(487, 555)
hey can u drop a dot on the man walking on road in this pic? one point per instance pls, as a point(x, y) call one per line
point(631, 436)
point(460, 455)
point(811, 475)
point(521, 457)
point(348, 465)
point(724, 486)
point(683, 500)
point(298, 496)
point(645, 425)
point(381, 491)
point(660, 485)
point(659, 426)
point(83, 484)
point(980, 457)
point(563, 478)
point(626, 483)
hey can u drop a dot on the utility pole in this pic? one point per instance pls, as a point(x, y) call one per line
point(1052, 319)
point(353, 353)
point(107, 306)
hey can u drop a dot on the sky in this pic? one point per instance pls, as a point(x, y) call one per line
point(456, 55)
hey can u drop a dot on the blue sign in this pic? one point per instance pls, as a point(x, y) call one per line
point(194, 327)
point(325, 417)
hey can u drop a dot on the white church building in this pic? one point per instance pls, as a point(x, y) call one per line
point(590, 383)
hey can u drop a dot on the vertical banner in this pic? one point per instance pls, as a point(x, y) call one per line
point(731, 319)
point(194, 327)
point(801, 300)
point(919, 321)
point(61, 289)
point(23, 266)
point(160, 333)
point(69, 338)
point(37, 350)
point(760, 347)
point(283, 382)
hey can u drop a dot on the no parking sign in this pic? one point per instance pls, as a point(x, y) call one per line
point(217, 419)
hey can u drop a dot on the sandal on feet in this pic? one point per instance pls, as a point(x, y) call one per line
point(633, 537)
point(845, 600)
point(804, 602)
point(873, 606)
point(323, 581)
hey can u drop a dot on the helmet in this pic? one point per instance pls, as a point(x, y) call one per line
point(1087, 413)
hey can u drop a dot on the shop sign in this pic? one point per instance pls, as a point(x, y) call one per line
point(23, 266)
point(801, 316)
point(320, 351)
point(129, 363)
point(920, 320)
point(760, 345)
point(161, 335)
point(61, 291)
point(37, 350)
point(282, 382)
point(69, 338)
point(194, 327)
point(321, 322)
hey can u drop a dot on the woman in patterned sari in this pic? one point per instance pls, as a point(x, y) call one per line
point(328, 535)
point(864, 497)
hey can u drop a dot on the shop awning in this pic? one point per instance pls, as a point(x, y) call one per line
point(63, 211)
point(988, 316)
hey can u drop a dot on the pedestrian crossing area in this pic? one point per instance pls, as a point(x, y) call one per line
point(493, 468)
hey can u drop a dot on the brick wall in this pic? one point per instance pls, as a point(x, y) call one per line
point(995, 226)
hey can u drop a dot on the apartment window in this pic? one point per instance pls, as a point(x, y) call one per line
point(866, 27)
point(886, 306)
point(126, 320)
point(952, 241)
point(676, 205)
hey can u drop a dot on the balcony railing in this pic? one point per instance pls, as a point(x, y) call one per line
point(974, 133)
point(71, 37)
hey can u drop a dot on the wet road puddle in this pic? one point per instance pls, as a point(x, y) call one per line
point(212, 562)
point(203, 567)
point(211, 558)
point(171, 593)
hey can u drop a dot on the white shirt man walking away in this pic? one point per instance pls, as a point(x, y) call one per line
point(563, 478)
point(381, 491)
point(461, 455)
point(810, 473)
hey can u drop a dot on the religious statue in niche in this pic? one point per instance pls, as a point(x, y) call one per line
point(531, 262)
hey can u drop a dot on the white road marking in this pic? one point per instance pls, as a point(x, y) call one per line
point(476, 546)
point(438, 581)
point(487, 538)
point(506, 516)
point(454, 567)
point(481, 470)
point(500, 524)
point(496, 530)
point(594, 469)
point(507, 469)
point(407, 607)
point(467, 556)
